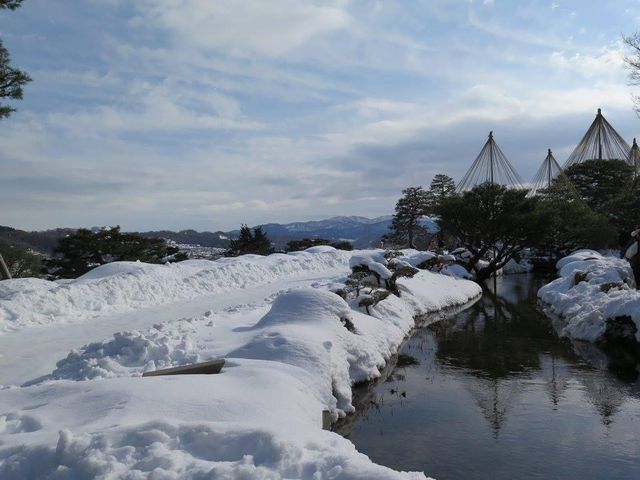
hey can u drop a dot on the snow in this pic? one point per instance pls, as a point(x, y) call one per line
point(374, 262)
point(415, 257)
point(591, 289)
point(455, 270)
point(94, 416)
point(632, 251)
point(513, 267)
point(126, 286)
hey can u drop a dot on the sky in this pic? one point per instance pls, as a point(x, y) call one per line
point(175, 114)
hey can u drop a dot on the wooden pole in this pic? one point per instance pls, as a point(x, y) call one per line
point(326, 420)
point(599, 139)
point(491, 154)
point(549, 169)
point(5, 274)
point(491, 164)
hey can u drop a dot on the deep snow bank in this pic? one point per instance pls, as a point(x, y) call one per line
point(592, 289)
point(95, 417)
point(125, 286)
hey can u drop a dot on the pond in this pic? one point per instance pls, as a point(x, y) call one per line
point(492, 392)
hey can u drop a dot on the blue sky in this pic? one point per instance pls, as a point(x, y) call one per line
point(207, 114)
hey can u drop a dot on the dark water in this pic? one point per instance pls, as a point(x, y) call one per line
point(497, 395)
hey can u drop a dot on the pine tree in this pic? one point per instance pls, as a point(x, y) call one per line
point(11, 79)
point(492, 221)
point(256, 243)
point(599, 181)
point(76, 254)
point(410, 208)
point(442, 186)
point(261, 243)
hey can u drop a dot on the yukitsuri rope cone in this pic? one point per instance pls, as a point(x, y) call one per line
point(601, 142)
point(550, 173)
point(490, 166)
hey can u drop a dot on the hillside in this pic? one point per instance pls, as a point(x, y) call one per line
point(41, 241)
point(361, 231)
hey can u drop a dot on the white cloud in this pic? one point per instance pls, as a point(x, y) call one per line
point(242, 28)
point(604, 62)
point(163, 106)
point(513, 32)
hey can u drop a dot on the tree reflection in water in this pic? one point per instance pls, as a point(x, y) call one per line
point(503, 338)
point(540, 397)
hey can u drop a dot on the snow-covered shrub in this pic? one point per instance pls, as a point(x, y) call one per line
point(403, 270)
point(373, 299)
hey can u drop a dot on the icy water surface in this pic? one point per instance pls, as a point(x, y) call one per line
point(497, 395)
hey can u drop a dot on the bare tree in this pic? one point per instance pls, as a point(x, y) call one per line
point(633, 64)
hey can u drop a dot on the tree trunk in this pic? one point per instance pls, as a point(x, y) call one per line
point(4, 271)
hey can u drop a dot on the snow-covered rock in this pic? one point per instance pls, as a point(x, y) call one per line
point(591, 289)
point(457, 271)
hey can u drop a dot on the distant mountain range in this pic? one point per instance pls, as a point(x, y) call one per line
point(361, 231)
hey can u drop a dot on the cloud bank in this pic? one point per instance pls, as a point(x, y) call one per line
point(199, 114)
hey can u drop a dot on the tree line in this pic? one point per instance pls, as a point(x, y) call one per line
point(596, 204)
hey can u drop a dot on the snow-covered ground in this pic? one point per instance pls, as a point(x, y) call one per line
point(289, 357)
point(125, 286)
point(591, 289)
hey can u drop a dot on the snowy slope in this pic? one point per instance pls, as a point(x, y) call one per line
point(94, 416)
point(125, 286)
point(591, 289)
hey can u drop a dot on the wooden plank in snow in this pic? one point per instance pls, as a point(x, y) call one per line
point(203, 368)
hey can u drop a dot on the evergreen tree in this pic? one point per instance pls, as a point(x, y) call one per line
point(261, 243)
point(571, 223)
point(11, 79)
point(624, 212)
point(256, 243)
point(599, 181)
point(242, 244)
point(10, 4)
point(492, 221)
point(405, 226)
point(78, 253)
point(21, 262)
point(442, 186)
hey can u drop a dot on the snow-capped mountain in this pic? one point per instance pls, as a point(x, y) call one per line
point(361, 231)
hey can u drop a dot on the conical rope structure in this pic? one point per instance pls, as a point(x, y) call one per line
point(490, 166)
point(601, 142)
point(549, 172)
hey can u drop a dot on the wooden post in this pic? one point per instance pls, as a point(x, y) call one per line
point(5, 274)
point(326, 420)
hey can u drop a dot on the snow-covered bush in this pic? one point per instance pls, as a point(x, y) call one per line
point(373, 299)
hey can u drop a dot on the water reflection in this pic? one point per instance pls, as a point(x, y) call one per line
point(497, 394)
